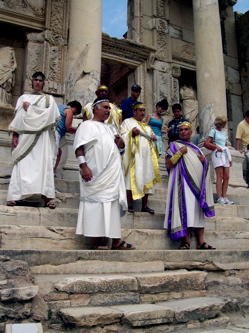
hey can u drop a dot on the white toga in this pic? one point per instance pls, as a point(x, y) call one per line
point(32, 176)
point(100, 198)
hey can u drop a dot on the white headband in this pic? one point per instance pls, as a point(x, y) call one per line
point(100, 101)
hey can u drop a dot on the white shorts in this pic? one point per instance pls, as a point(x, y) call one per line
point(220, 159)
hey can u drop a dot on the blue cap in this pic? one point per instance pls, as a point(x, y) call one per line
point(136, 87)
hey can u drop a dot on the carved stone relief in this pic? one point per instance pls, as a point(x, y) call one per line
point(46, 51)
point(7, 74)
point(160, 8)
point(183, 51)
point(27, 7)
point(161, 85)
point(162, 46)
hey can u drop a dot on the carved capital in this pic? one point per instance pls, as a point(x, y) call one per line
point(54, 38)
point(36, 37)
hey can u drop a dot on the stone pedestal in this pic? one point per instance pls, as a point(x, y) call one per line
point(84, 50)
point(68, 167)
point(6, 116)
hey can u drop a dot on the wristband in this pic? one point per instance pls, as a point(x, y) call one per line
point(81, 159)
point(175, 158)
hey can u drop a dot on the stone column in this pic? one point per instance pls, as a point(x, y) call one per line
point(84, 50)
point(211, 89)
point(209, 63)
point(83, 68)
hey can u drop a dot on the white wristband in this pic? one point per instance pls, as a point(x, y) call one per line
point(81, 159)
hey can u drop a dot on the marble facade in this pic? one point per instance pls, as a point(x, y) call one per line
point(165, 39)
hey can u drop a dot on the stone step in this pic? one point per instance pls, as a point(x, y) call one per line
point(140, 315)
point(71, 200)
point(63, 238)
point(216, 260)
point(109, 289)
point(64, 217)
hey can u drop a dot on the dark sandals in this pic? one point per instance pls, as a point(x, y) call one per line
point(148, 210)
point(205, 246)
point(100, 245)
point(124, 246)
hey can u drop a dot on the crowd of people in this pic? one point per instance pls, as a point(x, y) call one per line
point(118, 152)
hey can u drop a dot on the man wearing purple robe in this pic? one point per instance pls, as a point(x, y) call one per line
point(190, 196)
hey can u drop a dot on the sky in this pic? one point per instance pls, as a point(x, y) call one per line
point(115, 15)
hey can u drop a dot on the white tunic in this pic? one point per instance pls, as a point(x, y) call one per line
point(140, 159)
point(100, 198)
point(32, 176)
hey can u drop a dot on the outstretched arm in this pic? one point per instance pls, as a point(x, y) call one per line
point(69, 119)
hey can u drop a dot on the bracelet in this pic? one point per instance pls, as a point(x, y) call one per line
point(81, 159)
point(175, 158)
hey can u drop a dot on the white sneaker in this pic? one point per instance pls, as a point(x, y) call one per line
point(228, 202)
point(221, 201)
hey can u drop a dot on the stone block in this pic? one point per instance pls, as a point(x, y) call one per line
point(65, 217)
point(94, 284)
point(19, 215)
point(18, 294)
point(173, 280)
point(98, 267)
point(80, 300)
point(146, 221)
point(188, 36)
point(195, 309)
point(55, 306)
point(146, 314)
point(39, 308)
point(56, 297)
point(64, 186)
point(47, 238)
point(87, 317)
point(67, 200)
point(114, 299)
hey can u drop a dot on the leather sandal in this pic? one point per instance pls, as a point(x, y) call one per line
point(124, 246)
point(205, 246)
point(148, 210)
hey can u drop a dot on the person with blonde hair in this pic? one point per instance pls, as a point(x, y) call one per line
point(221, 158)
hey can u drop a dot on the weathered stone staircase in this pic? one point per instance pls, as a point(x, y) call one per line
point(155, 288)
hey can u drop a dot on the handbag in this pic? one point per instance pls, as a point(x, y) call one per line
point(205, 144)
